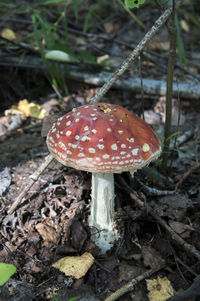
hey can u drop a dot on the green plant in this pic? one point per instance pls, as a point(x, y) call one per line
point(133, 3)
point(47, 37)
point(6, 271)
point(180, 45)
point(52, 37)
point(56, 299)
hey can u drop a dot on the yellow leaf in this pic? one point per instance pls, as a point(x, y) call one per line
point(160, 289)
point(75, 266)
point(36, 111)
point(27, 109)
point(23, 106)
point(8, 34)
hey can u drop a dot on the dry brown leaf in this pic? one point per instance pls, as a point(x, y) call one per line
point(48, 233)
point(180, 228)
point(151, 257)
point(75, 266)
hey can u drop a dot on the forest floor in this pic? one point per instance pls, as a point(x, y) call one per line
point(51, 222)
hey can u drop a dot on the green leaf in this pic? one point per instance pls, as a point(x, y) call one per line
point(87, 19)
point(56, 299)
point(180, 45)
point(172, 135)
point(6, 271)
point(47, 2)
point(60, 56)
point(75, 5)
point(133, 3)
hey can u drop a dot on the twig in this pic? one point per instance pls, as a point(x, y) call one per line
point(33, 178)
point(150, 191)
point(131, 284)
point(185, 266)
point(133, 55)
point(186, 175)
point(142, 88)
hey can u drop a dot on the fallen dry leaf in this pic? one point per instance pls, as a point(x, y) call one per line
point(27, 109)
point(75, 266)
point(182, 229)
point(48, 233)
point(160, 289)
point(151, 257)
point(78, 235)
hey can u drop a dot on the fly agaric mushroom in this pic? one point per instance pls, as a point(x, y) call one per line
point(103, 139)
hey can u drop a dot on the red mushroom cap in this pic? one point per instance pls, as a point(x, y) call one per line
point(103, 138)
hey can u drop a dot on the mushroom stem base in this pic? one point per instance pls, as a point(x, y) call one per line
point(101, 220)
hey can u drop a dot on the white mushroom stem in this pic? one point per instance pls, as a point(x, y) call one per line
point(101, 220)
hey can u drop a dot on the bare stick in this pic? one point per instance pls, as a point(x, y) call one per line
point(32, 179)
point(133, 55)
point(131, 284)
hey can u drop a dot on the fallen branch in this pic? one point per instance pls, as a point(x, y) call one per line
point(152, 87)
point(131, 284)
